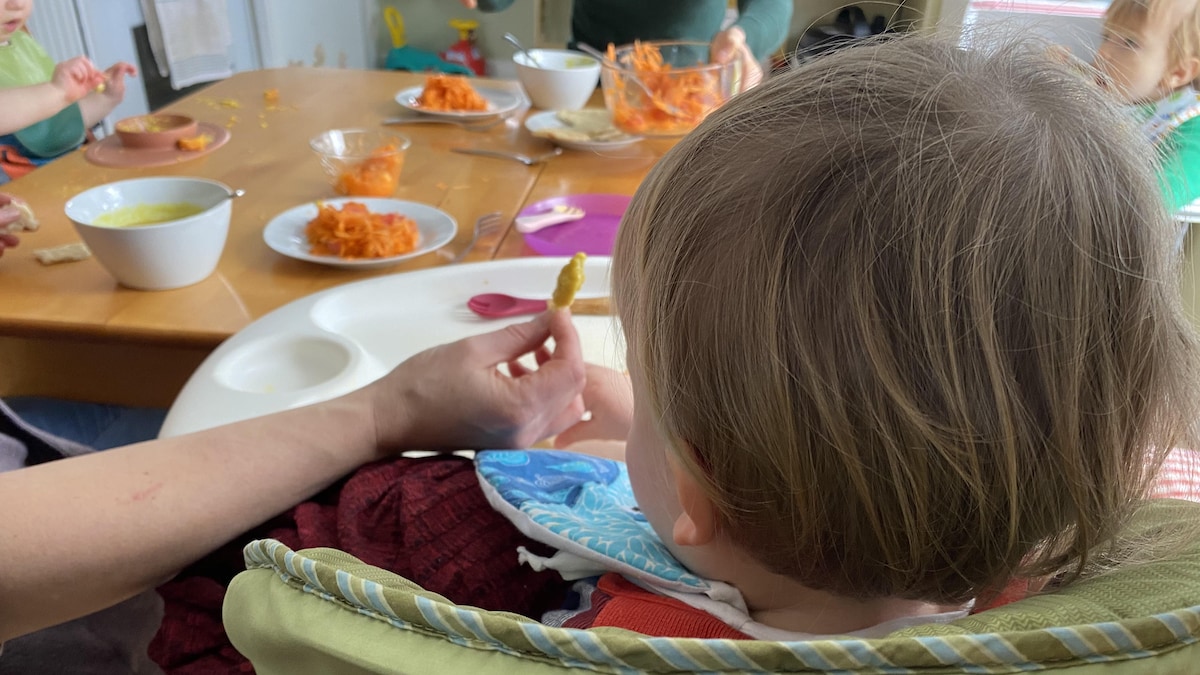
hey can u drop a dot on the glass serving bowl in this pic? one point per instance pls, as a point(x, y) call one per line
point(679, 86)
point(361, 162)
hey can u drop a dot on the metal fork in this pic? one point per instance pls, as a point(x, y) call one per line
point(516, 156)
point(487, 223)
point(469, 125)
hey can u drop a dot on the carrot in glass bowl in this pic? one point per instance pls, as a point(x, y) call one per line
point(681, 87)
point(375, 176)
point(361, 162)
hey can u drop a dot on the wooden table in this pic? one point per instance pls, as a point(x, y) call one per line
point(70, 331)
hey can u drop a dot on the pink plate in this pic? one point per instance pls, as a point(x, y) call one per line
point(593, 234)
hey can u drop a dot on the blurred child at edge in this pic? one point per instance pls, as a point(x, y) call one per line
point(1150, 57)
point(40, 122)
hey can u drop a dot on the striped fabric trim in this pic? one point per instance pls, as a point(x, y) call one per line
point(404, 606)
point(1179, 477)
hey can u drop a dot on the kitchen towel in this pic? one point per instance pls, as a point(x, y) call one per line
point(190, 39)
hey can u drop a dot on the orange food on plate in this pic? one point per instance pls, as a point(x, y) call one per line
point(354, 232)
point(271, 95)
point(450, 93)
point(679, 99)
point(194, 143)
point(376, 176)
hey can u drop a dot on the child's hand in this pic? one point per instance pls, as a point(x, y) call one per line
point(608, 396)
point(729, 45)
point(114, 80)
point(8, 215)
point(76, 78)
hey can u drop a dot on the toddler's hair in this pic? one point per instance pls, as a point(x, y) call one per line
point(908, 314)
point(1183, 14)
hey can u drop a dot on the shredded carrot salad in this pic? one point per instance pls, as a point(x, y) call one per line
point(679, 99)
point(451, 93)
point(376, 176)
point(355, 232)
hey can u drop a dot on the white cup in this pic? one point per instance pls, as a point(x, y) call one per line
point(560, 80)
point(165, 255)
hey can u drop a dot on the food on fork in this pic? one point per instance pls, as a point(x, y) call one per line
point(355, 232)
point(450, 93)
point(376, 176)
point(570, 280)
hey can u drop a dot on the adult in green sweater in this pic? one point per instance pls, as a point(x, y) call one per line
point(761, 26)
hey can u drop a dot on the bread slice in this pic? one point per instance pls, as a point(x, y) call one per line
point(26, 223)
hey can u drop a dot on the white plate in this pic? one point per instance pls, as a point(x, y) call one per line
point(499, 101)
point(285, 233)
point(549, 120)
point(342, 338)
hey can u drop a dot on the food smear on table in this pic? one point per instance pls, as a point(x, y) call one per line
point(354, 232)
point(376, 176)
point(679, 98)
point(140, 215)
point(450, 93)
point(570, 280)
point(194, 143)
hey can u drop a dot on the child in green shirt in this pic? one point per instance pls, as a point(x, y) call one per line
point(55, 106)
point(1150, 57)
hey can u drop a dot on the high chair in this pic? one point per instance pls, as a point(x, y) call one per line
point(322, 611)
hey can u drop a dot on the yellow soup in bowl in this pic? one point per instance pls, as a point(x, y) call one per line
point(140, 215)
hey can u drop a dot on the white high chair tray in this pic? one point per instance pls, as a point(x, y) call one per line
point(342, 338)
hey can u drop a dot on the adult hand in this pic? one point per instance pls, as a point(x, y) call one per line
point(469, 4)
point(608, 396)
point(76, 78)
point(453, 396)
point(114, 80)
point(730, 45)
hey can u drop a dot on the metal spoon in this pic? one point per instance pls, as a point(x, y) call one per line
point(512, 40)
point(631, 75)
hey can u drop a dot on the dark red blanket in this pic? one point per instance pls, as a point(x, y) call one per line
point(424, 519)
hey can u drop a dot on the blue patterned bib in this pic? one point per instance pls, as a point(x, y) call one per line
point(584, 506)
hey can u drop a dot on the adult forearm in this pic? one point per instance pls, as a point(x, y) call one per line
point(145, 511)
point(23, 106)
point(766, 23)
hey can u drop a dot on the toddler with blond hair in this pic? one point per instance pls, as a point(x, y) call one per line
point(895, 338)
point(1150, 57)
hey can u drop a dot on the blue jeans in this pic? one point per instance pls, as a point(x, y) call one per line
point(95, 425)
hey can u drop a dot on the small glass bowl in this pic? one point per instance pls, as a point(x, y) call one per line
point(707, 86)
point(361, 162)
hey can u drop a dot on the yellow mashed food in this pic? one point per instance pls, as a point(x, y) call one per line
point(570, 280)
point(147, 214)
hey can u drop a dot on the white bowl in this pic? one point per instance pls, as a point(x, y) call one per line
point(165, 255)
point(561, 79)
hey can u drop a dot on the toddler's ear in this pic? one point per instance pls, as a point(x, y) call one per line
point(696, 524)
point(1184, 72)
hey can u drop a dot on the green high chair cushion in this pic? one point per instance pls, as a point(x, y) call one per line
point(320, 611)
